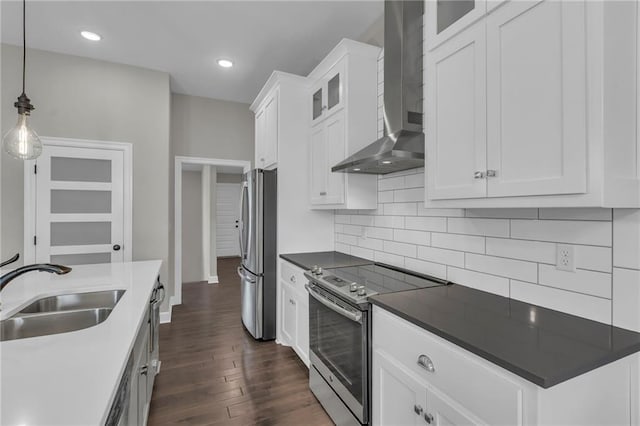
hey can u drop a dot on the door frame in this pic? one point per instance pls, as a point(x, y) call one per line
point(228, 185)
point(179, 162)
point(30, 193)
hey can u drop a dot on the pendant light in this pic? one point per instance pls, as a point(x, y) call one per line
point(22, 142)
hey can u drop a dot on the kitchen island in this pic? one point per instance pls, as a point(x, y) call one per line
point(71, 378)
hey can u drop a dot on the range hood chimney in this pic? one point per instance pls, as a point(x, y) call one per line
point(402, 147)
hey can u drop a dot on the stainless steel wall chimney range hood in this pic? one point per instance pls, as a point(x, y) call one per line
point(402, 147)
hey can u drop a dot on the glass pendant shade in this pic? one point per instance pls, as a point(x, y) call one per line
point(21, 141)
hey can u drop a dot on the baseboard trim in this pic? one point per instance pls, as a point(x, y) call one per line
point(213, 279)
point(165, 317)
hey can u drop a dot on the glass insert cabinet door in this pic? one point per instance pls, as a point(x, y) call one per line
point(79, 206)
point(446, 18)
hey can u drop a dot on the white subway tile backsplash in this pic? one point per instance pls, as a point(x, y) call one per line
point(423, 211)
point(400, 209)
point(626, 298)
point(488, 227)
point(412, 237)
point(434, 269)
point(364, 253)
point(503, 213)
point(564, 231)
point(385, 197)
point(510, 268)
point(436, 224)
point(391, 183)
point(370, 243)
point(343, 248)
point(341, 218)
point(353, 230)
point(580, 281)
point(626, 238)
point(595, 308)
point(389, 221)
point(389, 259)
point(401, 249)
point(362, 220)
point(534, 251)
point(593, 258)
point(468, 243)
point(576, 214)
point(438, 255)
point(477, 280)
point(414, 181)
point(405, 195)
point(381, 233)
point(347, 239)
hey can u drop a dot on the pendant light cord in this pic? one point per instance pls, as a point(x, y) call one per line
point(24, 42)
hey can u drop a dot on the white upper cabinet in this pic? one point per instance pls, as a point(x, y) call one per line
point(524, 104)
point(343, 120)
point(536, 93)
point(266, 128)
point(457, 126)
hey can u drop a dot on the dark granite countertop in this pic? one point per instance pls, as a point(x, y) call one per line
point(543, 346)
point(324, 259)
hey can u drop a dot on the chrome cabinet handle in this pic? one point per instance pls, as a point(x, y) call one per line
point(428, 418)
point(418, 409)
point(292, 301)
point(293, 279)
point(478, 175)
point(426, 363)
point(492, 173)
point(144, 370)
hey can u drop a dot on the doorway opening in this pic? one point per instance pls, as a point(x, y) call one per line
point(205, 213)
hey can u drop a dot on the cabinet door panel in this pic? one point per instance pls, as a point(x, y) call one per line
point(271, 132)
point(260, 138)
point(289, 313)
point(302, 338)
point(317, 163)
point(396, 394)
point(456, 116)
point(335, 153)
point(446, 18)
point(446, 413)
point(536, 93)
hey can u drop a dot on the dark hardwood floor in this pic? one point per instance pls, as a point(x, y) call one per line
point(214, 372)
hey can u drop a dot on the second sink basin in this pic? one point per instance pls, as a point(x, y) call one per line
point(20, 327)
point(74, 301)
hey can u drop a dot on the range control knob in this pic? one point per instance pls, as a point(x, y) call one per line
point(319, 271)
point(353, 287)
point(362, 291)
point(314, 269)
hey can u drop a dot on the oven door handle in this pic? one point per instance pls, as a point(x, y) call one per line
point(353, 316)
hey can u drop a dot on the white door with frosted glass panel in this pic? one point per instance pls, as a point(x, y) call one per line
point(227, 216)
point(80, 206)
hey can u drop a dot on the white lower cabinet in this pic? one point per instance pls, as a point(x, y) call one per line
point(422, 379)
point(294, 310)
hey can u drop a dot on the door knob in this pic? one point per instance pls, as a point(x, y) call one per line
point(116, 247)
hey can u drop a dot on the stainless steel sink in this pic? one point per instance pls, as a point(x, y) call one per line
point(20, 327)
point(73, 302)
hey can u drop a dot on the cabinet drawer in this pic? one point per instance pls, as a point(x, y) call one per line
point(293, 276)
point(465, 378)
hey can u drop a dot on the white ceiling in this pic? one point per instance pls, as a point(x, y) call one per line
point(185, 38)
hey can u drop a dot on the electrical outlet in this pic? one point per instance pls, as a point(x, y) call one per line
point(565, 258)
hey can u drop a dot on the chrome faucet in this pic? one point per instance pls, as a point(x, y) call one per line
point(46, 267)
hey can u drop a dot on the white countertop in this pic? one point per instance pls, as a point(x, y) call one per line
point(70, 378)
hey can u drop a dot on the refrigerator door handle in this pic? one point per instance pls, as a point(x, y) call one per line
point(241, 222)
point(242, 275)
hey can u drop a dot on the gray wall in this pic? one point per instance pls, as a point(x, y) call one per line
point(192, 227)
point(229, 178)
point(84, 98)
point(211, 128)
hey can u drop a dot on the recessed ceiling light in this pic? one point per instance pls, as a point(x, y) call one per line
point(90, 35)
point(386, 162)
point(356, 170)
point(225, 63)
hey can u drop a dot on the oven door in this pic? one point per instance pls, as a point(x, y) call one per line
point(338, 346)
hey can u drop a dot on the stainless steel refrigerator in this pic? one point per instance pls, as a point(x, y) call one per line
point(258, 252)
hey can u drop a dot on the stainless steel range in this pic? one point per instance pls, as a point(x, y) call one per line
point(340, 333)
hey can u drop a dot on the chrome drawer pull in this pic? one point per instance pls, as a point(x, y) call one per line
point(293, 279)
point(428, 418)
point(426, 363)
point(418, 409)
